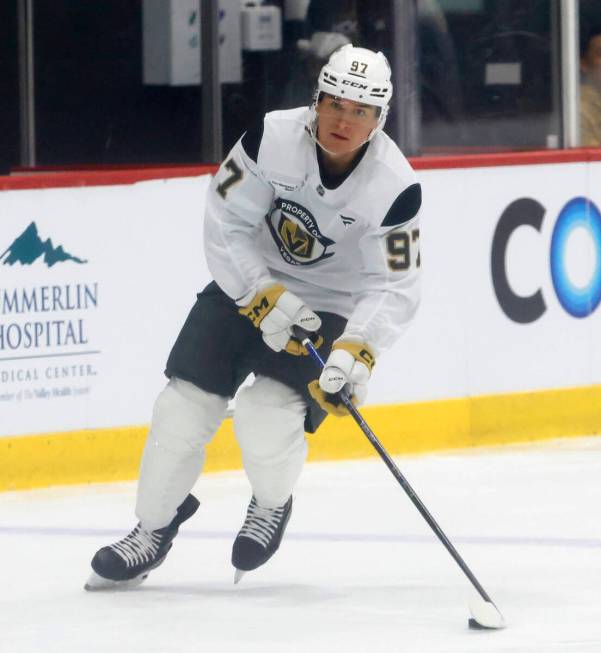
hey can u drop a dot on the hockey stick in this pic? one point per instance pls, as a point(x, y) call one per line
point(485, 614)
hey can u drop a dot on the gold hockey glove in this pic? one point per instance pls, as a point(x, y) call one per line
point(349, 362)
point(275, 310)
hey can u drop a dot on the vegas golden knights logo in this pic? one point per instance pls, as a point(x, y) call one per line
point(298, 242)
point(296, 233)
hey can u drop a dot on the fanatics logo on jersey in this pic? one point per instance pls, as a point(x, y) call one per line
point(347, 220)
point(320, 190)
point(296, 234)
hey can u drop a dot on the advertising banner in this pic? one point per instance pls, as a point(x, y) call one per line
point(94, 284)
point(511, 261)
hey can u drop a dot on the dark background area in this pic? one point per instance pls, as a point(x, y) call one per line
point(91, 103)
point(92, 107)
point(9, 87)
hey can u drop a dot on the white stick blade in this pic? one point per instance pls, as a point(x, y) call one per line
point(486, 614)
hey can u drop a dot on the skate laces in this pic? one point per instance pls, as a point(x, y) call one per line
point(261, 524)
point(139, 547)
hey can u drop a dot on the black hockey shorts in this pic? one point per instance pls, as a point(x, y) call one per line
point(218, 348)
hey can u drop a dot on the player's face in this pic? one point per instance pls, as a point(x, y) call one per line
point(344, 125)
point(591, 62)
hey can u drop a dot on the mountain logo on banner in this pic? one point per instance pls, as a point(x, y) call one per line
point(29, 247)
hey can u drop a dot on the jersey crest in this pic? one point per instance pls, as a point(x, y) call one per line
point(296, 234)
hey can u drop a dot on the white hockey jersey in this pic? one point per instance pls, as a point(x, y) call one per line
point(348, 246)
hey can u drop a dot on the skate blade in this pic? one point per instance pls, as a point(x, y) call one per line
point(97, 583)
point(238, 576)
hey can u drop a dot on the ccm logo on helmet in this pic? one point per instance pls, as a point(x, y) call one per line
point(346, 82)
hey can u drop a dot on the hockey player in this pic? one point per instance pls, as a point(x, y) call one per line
point(312, 221)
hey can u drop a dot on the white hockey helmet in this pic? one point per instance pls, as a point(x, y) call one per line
point(356, 74)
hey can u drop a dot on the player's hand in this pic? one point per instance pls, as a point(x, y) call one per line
point(275, 311)
point(350, 362)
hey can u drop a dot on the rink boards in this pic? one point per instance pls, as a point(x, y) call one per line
point(96, 281)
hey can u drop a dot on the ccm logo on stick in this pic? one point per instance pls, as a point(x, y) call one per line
point(579, 222)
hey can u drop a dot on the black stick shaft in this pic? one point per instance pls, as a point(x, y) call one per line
point(396, 472)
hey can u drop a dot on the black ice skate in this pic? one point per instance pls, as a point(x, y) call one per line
point(260, 536)
point(128, 562)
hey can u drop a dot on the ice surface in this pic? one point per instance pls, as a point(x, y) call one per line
point(358, 570)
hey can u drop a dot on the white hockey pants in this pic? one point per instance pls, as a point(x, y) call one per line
point(184, 419)
point(269, 426)
point(269, 419)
